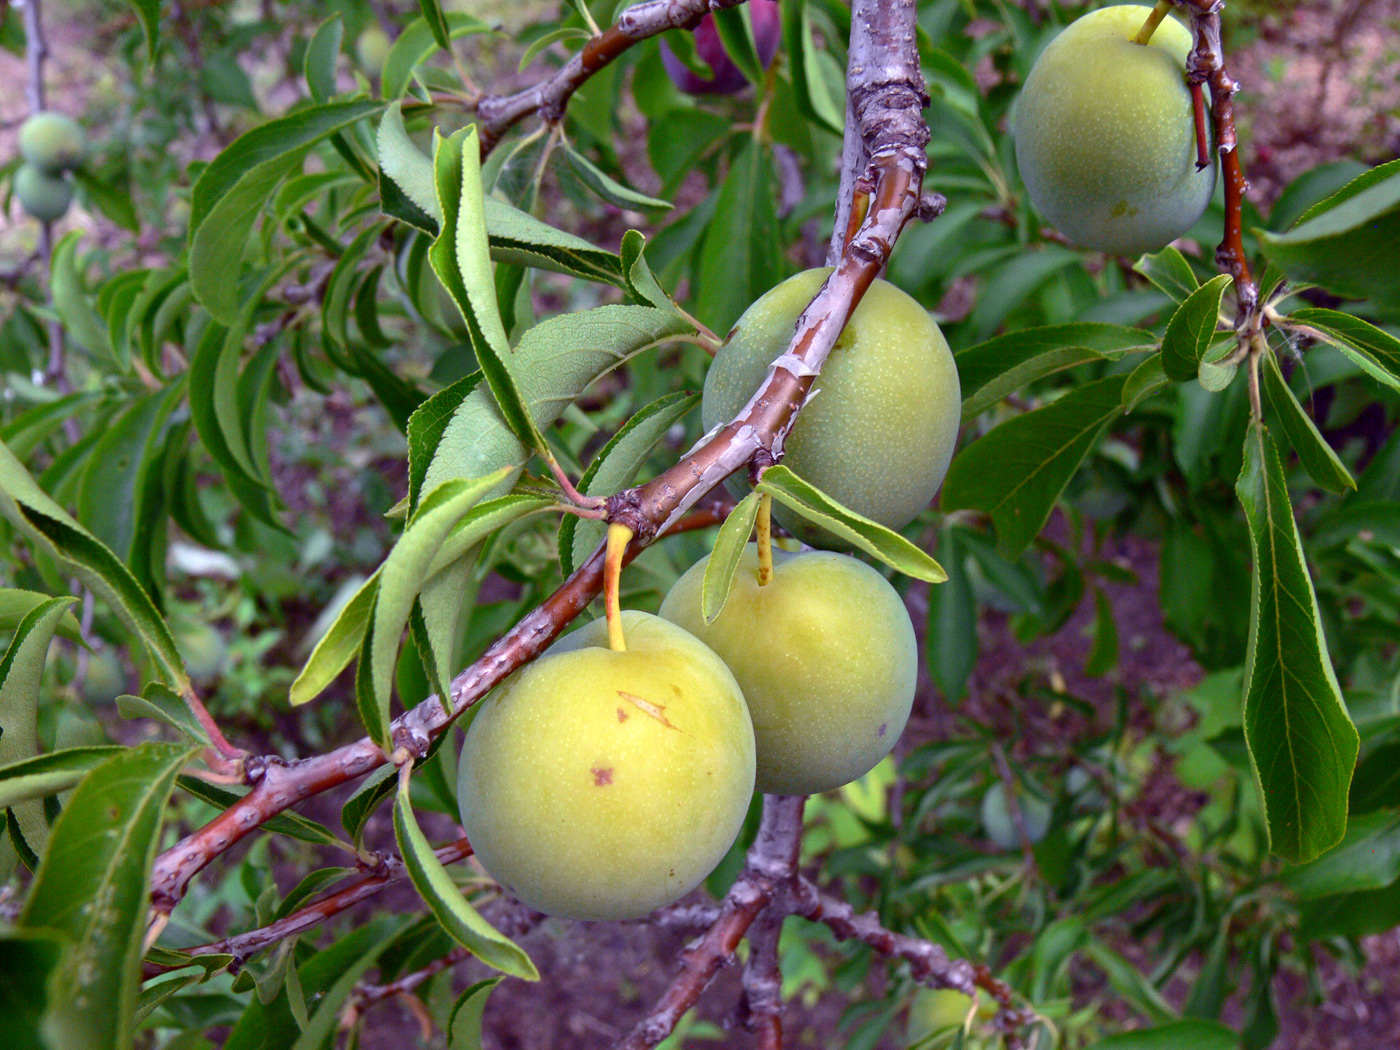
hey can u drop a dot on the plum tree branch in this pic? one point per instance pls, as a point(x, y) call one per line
point(499, 113)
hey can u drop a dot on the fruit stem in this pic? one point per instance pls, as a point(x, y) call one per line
point(1144, 35)
point(619, 536)
point(765, 539)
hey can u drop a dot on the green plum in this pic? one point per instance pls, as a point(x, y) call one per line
point(1105, 138)
point(935, 1010)
point(602, 785)
point(52, 141)
point(372, 48)
point(46, 197)
point(879, 428)
point(826, 656)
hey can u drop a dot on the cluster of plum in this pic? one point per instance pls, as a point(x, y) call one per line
point(51, 144)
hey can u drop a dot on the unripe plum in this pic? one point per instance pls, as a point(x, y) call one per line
point(46, 197)
point(602, 785)
point(372, 48)
point(826, 656)
point(51, 141)
point(727, 79)
point(1001, 828)
point(1105, 138)
point(882, 419)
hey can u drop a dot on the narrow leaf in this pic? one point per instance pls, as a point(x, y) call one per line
point(91, 888)
point(870, 536)
point(1316, 455)
point(1300, 738)
point(464, 1022)
point(17, 603)
point(321, 52)
point(336, 648)
point(50, 773)
point(1374, 349)
point(951, 639)
point(401, 160)
point(739, 258)
point(445, 900)
point(417, 43)
point(436, 22)
point(1177, 1035)
point(724, 559)
point(1017, 471)
point(608, 188)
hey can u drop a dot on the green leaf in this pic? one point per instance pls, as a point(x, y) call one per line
point(1316, 455)
point(814, 97)
point(870, 536)
point(1128, 981)
point(1002, 365)
point(360, 806)
point(1103, 657)
point(1146, 379)
point(739, 258)
point(1178, 1035)
point(322, 50)
point(92, 889)
point(81, 321)
point(164, 706)
point(545, 40)
point(34, 514)
point(615, 467)
point(417, 43)
point(1346, 244)
point(1300, 738)
point(523, 240)
point(608, 188)
point(1017, 471)
point(642, 284)
point(401, 160)
point(16, 604)
point(464, 1022)
point(1368, 858)
point(51, 773)
point(148, 14)
point(231, 192)
point(436, 22)
point(445, 900)
point(724, 559)
point(337, 646)
point(27, 961)
point(480, 522)
point(1191, 329)
point(1011, 283)
point(401, 577)
point(950, 644)
point(323, 1025)
point(1170, 272)
point(736, 34)
point(1373, 349)
point(21, 675)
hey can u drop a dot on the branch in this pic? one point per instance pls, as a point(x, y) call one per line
point(499, 113)
point(887, 99)
point(762, 1005)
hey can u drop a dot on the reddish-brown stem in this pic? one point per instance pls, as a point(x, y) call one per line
point(1198, 115)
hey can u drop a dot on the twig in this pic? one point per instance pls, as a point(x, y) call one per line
point(500, 113)
point(762, 1005)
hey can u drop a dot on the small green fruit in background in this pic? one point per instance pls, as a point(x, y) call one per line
point(45, 197)
point(935, 1010)
point(105, 679)
point(1105, 138)
point(997, 822)
point(603, 785)
point(879, 429)
point(52, 141)
point(826, 656)
point(203, 647)
point(372, 48)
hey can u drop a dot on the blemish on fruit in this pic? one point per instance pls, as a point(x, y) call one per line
point(657, 711)
point(621, 714)
point(601, 777)
point(881, 731)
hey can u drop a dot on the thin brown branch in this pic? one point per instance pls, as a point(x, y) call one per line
point(499, 113)
point(762, 1005)
point(888, 97)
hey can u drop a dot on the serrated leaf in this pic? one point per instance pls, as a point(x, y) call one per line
point(322, 50)
point(336, 648)
point(1316, 455)
point(360, 806)
point(231, 191)
point(49, 774)
point(401, 160)
point(1176, 1035)
point(1300, 738)
point(1017, 471)
point(21, 674)
point(1373, 349)
point(464, 1021)
point(991, 370)
point(1215, 376)
point(17, 603)
point(1191, 329)
point(38, 517)
point(91, 888)
point(608, 188)
point(417, 43)
point(523, 240)
point(875, 539)
point(814, 99)
point(1346, 244)
point(739, 258)
point(436, 22)
point(950, 643)
point(1169, 271)
point(481, 521)
point(401, 577)
point(615, 467)
point(724, 559)
point(445, 900)
point(642, 284)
